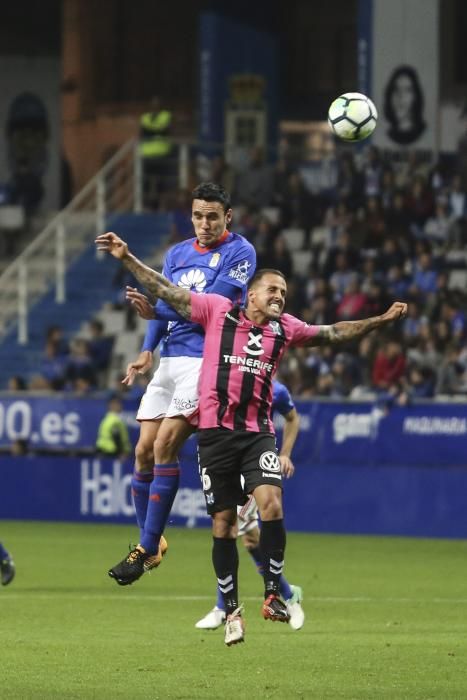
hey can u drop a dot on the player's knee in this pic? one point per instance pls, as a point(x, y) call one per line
point(224, 525)
point(271, 508)
point(166, 447)
point(251, 539)
point(144, 456)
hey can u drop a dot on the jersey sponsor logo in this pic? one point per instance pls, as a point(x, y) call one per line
point(214, 260)
point(269, 462)
point(254, 344)
point(193, 279)
point(240, 273)
point(248, 364)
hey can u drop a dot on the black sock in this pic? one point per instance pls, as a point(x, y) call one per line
point(272, 546)
point(225, 560)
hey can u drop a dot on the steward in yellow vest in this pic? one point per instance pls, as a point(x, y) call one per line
point(112, 435)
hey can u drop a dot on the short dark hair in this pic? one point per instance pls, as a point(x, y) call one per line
point(212, 192)
point(259, 274)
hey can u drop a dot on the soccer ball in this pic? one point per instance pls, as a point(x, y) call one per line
point(352, 116)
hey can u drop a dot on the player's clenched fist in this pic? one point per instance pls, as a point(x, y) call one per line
point(112, 244)
point(396, 311)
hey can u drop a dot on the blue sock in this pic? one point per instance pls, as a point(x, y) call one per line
point(284, 586)
point(3, 553)
point(162, 493)
point(140, 485)
point(220, 600)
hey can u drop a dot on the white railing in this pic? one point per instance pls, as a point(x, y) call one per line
point(43, 263)
point(118, 187)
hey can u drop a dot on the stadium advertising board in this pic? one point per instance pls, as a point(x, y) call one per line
point(431, 434)
point(360, 468)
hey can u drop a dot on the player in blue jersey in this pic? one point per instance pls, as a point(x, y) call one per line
point(7, 566)
point(247, 520)
point(215, 260)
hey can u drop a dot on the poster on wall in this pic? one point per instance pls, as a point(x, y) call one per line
point(398, 67)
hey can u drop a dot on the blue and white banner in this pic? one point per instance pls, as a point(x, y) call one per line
point(411, 501)
point(427, 435)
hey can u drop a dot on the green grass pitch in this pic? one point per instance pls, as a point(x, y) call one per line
point(386, 618)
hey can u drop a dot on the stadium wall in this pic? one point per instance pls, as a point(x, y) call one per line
point(360, 468)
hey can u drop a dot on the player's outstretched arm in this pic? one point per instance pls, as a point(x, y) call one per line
point(156, 284)
point(343, 331)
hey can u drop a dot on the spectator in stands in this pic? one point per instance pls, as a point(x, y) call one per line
point(372, 172)
point(222, 174)
point(419, 205)
point(388, 188)
point(397, 218)
point(389, 366)
point(374, 225)
point(81, 374)
point(343, 245)
point(424, 277)
point(99, 345)
point(57, 335)
point(112, 434)
point(277, 257)
point(17, 383)
point(52, 368)
point(420, 384)
point(181, 227)
point(297, 206)
point(437, 227)
point(397, 282)
point(457, 211)
point(452, 376)
point(349, 182)
point(155, 150)
point(255, 185)
point(455, 317)
point(411, 325)
point(342, 277)
point(353, 304)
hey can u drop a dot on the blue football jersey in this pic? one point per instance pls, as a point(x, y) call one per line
point(281, 399)
point(192, 267)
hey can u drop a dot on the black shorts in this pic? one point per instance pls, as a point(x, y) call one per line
point(226, 455)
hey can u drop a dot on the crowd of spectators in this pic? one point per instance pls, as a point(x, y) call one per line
point(374, 230)
point(388, 231)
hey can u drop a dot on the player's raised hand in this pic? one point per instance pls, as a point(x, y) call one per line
point(141, 303)
point(395, 312)
point(142, 365)
point(111, 243)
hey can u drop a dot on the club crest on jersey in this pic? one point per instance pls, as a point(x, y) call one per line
point(240, 272)
point(193, 279)
point(254, 344)
point(275, 327)
point(214, 260)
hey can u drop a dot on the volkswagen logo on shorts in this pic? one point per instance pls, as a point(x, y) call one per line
point(269, 462)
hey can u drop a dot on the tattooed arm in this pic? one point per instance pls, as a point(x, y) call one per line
point(344, 331)
point(155, 283)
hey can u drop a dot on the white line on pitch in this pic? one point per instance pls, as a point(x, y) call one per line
point(168, 598)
